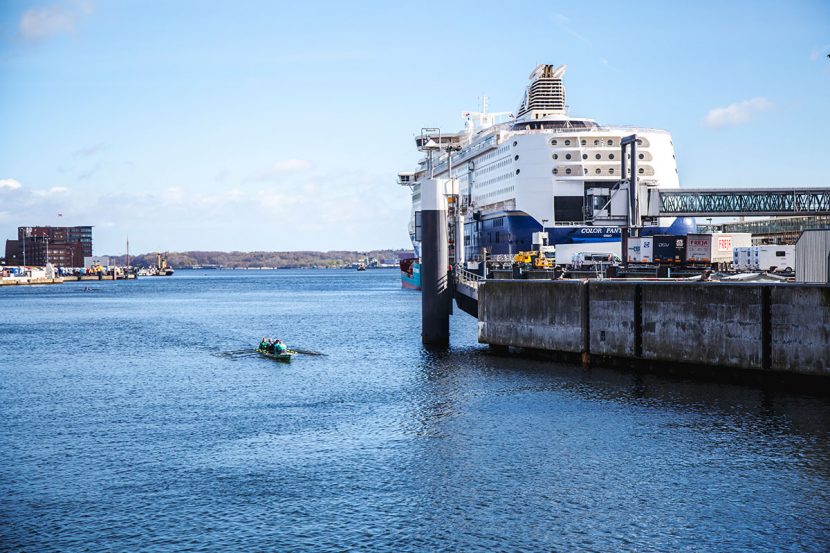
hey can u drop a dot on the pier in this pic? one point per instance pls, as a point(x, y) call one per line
point(783, 328)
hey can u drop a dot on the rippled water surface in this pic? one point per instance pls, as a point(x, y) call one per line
point(124, 428)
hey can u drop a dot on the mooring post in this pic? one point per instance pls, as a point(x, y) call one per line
point(436, 294)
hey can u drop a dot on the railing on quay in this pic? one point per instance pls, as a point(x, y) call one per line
point(467, 277)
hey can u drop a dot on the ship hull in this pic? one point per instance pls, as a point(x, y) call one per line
point(410, 274)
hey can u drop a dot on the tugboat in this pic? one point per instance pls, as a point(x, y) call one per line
point(162, 268)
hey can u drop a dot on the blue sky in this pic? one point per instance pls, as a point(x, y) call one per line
point(263, 125)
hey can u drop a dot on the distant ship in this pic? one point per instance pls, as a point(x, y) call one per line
point(530, 172)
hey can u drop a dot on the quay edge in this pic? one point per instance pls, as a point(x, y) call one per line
point(770, 328)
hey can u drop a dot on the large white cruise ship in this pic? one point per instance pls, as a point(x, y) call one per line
point(519, 174)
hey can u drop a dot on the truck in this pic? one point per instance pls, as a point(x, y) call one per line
point(715, 249)
point(565, 252)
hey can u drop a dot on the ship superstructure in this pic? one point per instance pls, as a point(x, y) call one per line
point(521, 174)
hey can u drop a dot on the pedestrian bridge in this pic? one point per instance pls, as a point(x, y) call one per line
point(739, 202)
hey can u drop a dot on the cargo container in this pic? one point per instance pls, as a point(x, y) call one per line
point(716, 248)
point(772, 258)
point(669, 249)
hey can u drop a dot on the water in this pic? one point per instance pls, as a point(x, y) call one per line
point(123, 430)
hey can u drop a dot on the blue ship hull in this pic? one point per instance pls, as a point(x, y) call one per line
point(510, 232)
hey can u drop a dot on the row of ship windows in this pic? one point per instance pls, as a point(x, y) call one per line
point(494, 193)
point(494, 179)
point(597, 142)
point(492, 167)
point(597, 171)
point(493, 154)
point(596, 156)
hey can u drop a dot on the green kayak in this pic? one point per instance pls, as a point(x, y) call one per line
point(277, 356)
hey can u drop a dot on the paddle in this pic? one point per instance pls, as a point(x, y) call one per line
point(306, 351)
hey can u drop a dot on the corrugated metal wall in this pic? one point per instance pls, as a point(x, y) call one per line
point(812, 257)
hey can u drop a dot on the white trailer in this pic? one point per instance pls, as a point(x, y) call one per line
point(634, 255)
point(772, 258)
point(716, 248)
point(740, 259)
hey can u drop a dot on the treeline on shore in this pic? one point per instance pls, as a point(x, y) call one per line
point(256, 260)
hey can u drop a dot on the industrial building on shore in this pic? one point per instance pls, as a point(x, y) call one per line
point(60, 246)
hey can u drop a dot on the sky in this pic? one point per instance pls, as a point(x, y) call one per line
point(193, 125)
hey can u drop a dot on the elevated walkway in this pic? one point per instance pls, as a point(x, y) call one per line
point(739, 202)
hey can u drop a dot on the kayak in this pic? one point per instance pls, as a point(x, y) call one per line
point(277, 356)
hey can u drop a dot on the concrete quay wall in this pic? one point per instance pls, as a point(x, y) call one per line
point(770, 327)
point(533, 314)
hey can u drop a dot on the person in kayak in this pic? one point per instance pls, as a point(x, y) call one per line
point(279, 347)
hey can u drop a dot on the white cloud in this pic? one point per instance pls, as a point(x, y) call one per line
point(280, 168)
point(10, 184)
point(295, 212)
point(733, 115)
point(564, 23)
point(50, 192)
point(48, 21)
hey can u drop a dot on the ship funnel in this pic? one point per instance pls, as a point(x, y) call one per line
point(545, 95)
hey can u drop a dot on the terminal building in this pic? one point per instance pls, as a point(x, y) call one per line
point(60, 246)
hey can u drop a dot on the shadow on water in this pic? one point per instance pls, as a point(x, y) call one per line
point(753, 408)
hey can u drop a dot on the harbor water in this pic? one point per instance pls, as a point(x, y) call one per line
point(127, 425)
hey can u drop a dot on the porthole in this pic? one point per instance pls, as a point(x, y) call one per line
point(517, 171)
point(584, 156)
point(639, 142)
point(598, 156)
point(567, 156)
point(515, 143)
point(583, 142)
point(555, 156)
point(568, 171)
point(610, 156)
point(641, 170)
point(597, 170)
point(516, 158)
point(610, 142)
point(555, 171)
point(596, 142)
point(611, 171)
point(567, 143)
point(641, 156)
point(553, 142)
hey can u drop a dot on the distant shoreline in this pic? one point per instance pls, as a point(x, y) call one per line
point(258, 260)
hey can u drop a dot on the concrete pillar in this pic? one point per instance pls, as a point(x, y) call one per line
point(436, 294)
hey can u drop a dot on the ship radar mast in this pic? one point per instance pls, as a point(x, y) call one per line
point(475, 121)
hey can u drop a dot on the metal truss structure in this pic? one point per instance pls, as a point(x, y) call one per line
point(745, 202)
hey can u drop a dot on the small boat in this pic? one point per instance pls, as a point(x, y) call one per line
point(285, 357)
